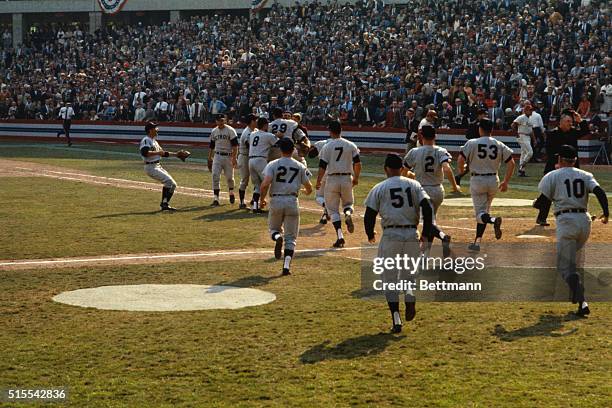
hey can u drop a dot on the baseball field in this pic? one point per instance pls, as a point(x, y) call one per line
point(88, 216)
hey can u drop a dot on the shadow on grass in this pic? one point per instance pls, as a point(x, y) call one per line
point(547, 326)
point(355, 347)
point(252, 281)
point(231, 214)
point(314, 231)
point(127, 214)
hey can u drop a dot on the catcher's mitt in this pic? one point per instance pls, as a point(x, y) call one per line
point(302, 149)
point(183, 154)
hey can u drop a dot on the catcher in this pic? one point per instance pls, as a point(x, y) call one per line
point(152, 153)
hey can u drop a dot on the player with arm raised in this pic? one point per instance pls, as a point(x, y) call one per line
point(284, 178)
point(568, 189)
point(484, 156)
point(339, 160)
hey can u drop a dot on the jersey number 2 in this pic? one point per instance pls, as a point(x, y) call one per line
point(429, 164)
point(397, 200)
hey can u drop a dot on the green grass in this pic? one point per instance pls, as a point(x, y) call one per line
point(316, 345)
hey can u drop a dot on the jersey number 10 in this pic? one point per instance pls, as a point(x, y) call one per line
point(575, 188)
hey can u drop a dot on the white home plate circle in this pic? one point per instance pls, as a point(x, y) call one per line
point(165, 298)
point(498, 202)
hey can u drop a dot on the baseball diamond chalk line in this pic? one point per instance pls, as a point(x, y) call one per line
point(143, 185)
point(165, 298)
point(203, 161)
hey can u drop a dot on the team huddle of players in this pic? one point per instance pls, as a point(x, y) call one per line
point(271, 157)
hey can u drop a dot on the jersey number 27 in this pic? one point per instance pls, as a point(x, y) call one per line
point(282, 172)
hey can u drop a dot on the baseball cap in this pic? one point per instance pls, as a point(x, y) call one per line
point(410, 110)
point(567, 152)
point(149, 126)
point(286, 145)
point(393, 161)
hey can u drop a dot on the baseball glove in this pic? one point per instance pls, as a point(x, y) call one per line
point(302, 149)
point(183, 154)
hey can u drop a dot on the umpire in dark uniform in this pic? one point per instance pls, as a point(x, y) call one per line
point(565, 134)
point(472, 133)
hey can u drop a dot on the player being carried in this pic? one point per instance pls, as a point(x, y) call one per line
point(339, 160)
point(283, 126)
point(429, 163)
point(568, 188)
point(283, 178)
point(484, 156)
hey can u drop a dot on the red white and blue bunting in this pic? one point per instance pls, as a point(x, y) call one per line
point(111, 6)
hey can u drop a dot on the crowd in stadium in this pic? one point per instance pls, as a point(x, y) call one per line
point(366, 64)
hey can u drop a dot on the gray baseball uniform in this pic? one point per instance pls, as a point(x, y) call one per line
point(288, 175)
point(223, 140)
point(260, 143)
point(152, 165)
point(426, 163)
point(339, 155)
point(320, 199)
point(397, 202)
point(525, 129)
point(243, 158)
point(568, 188)
point(289, 128)
point(484, 156)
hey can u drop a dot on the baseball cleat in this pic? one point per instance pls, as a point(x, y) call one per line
point(215, 203)
point(446, 250)
point(474, 247)
point(286, 272)
point(339, 243)
point(397, 328)
point(232, 199)
point(521, 173)
point(542, 223)
point(323, 220)
point(167, 208)
point(242, 206)
point(497, 227)
point(410, 311)
point(349, 223)
point(278, 248)
point(583, 309)
point(258, 211)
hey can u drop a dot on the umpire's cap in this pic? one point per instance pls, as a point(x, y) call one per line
point(486, 125)
point(149, 126)
point(393, 161)
point(567, 152)
point(286, 145)
point(335, 127)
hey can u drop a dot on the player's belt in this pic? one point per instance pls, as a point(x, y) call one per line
point(254, 157)
point(400, 226)
point(571, 210)
point(153, 162)
point(341, 174)
point(223, 154)
point(483, 174)
point(284, 195)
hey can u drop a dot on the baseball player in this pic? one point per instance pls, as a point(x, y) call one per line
point(152, 153)
point(243, 157)
point(282, 127)
point(397, 200)
point(222, 157)
point(524, 127)
point(314, 151)
point(484, 156)
point(260, 143)
point(66, 113)
point(568, 188)
point(430, 163)
point(339, 159)
point(283, 178)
